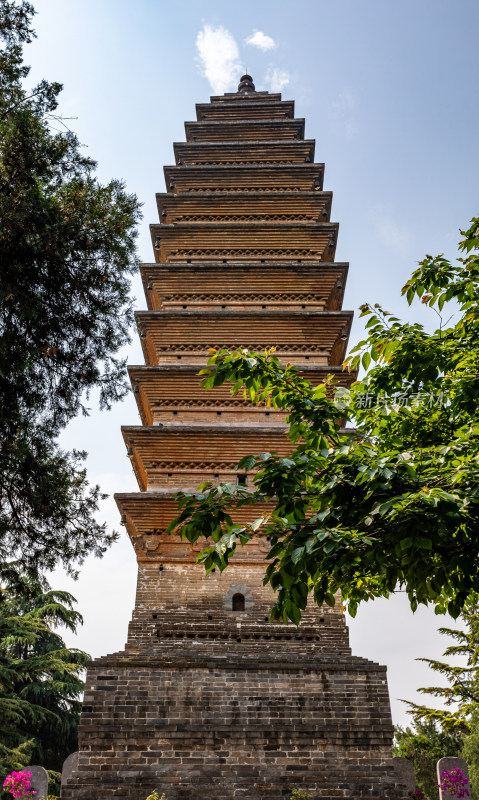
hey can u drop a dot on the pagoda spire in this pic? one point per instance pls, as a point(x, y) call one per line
point(246, 85)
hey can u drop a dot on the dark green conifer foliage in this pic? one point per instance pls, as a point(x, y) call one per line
point(461, 694)
point(40, 678)
point(67, 249)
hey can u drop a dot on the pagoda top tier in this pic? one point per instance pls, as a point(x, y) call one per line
point(248, 102)
point(246, 91)
point(251, 107)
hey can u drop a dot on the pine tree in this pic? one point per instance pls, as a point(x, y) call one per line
point(40, 678)
point(461, 695)
point(67, 249)
point(470, 752)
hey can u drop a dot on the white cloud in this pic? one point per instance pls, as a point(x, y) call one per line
point(218, 58)
point(260, 40)
point(276, 79)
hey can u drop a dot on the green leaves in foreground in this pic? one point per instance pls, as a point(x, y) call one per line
point(393, 503)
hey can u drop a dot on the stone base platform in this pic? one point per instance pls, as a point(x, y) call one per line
point(196, 718)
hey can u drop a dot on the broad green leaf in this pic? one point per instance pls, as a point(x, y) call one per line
point(366, 360)
point(297, 554)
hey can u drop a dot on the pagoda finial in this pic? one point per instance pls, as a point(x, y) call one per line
point(246, 85)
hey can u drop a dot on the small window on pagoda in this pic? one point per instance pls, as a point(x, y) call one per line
point(238, 602)
point(242, 480)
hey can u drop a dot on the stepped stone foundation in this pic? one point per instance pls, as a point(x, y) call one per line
point(209, 698)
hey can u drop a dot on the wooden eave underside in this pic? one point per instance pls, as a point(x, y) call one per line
point(244, 241)
point(216, 206)
point(244, 152)
point(248, 130)
point(250, 108)
point(172, 387)
point(198, 448)
point(147, 515)
point(244, 178)
point(253, 285)
point(293, 333)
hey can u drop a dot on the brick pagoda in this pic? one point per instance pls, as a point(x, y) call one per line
point(209, 698)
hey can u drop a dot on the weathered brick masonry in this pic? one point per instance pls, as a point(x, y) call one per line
point(209, 698)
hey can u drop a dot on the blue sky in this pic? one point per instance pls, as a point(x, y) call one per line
point(390, 93)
